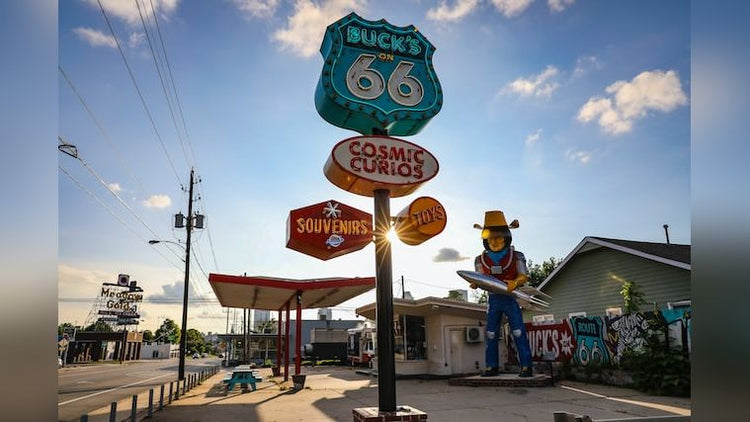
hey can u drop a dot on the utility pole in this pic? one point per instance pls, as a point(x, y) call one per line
point(189, 228)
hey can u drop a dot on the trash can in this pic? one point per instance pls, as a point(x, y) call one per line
point(299, 381)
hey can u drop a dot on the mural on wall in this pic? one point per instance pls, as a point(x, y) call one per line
point(628, 332)
point(680, 327)
point(551, 341)
point(597, 340)
point(590, 335)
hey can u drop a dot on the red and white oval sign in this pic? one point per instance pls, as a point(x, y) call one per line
point(363, 164)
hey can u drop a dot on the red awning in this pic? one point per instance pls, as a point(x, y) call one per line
point(273, 293)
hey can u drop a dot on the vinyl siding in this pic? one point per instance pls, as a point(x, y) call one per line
point(589, 283)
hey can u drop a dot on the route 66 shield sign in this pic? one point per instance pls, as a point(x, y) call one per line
point(377, 78)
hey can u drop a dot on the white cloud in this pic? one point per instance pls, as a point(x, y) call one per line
point(444, 12)
point(77, 282)
point(128, 11)
point(95, 38)
point(136, 39)
point(257, 8)
point(650, 90)
point(582, 157)
point(114, 187)
point(559, 5)
point(157, 201)
point(305, 28)
point(586, 63)
point(533, 138)
point(536, 85)
point(511, 8)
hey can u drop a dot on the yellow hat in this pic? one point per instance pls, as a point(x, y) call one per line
point(492, 220)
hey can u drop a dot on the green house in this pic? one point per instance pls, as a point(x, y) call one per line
point(589, 280)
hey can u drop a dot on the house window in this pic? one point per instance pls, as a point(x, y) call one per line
point(543, 319)
point(613, 312)
point(409, 336)
point(680, 304)
point(576, 314)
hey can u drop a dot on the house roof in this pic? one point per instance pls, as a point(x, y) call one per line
point(665, 253)
point(273, 293)
point(429, 306)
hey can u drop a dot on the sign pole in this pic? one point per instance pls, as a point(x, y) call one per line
point(384, 303)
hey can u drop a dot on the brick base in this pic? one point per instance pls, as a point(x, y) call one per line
point(404, 413)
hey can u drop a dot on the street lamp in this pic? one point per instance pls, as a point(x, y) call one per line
point(183, 336)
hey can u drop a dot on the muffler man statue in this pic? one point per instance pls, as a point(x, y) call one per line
point(500, 260)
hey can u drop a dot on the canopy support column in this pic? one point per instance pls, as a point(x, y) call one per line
point(298, 336)
point(286, 343)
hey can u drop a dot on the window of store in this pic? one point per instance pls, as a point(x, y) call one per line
point(409, 336)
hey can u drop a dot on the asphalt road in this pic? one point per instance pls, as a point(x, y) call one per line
point(84, 388)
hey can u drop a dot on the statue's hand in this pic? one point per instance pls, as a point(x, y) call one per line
point(512, 284)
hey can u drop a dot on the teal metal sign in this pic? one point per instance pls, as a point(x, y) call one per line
point(377, 78)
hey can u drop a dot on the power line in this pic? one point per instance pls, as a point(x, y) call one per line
point(174, 86)
point(108, 208)
point(103, 183)
point(100, 127)
point(140, 95)
point(155, 55)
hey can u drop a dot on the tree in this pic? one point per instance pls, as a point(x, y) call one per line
point(537, 273)
point(63, 326)
point(148, 336)
point(168, 332)
point(632, 296)
point(454, 295)
point(99, 326)
point(479, 296)
point(266, 327)
point(195, 341)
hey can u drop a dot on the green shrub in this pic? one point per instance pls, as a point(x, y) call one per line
point(658, 368)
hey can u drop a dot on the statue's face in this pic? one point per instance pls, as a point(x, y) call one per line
point(496, 242)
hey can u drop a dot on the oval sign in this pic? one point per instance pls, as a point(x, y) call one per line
point(363, 164)
point(424, 218)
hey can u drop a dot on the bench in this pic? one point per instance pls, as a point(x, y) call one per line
point(242, 377)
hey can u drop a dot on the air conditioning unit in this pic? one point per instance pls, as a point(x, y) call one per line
point(474, 334)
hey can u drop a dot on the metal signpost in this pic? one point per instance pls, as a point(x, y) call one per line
point(378, 79)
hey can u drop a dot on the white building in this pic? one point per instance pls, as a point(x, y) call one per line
point(436, 336)
point(160, 351)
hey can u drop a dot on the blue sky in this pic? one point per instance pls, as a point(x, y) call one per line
point(571, 116)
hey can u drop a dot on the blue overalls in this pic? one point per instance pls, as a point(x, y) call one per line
point(499, 304)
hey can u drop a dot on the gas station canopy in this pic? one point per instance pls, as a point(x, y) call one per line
point(273, 293)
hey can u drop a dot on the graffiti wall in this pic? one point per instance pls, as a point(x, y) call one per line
point(598, 340)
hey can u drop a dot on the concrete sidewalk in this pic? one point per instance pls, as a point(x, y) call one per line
point(330, 394)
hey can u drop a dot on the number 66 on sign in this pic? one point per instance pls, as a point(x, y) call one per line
point(377, 78)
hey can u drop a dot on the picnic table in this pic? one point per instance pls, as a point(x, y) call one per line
point(242, 375)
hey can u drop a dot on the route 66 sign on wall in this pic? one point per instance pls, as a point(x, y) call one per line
point(377, 78)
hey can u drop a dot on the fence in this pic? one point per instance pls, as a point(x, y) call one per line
point(571, 417)
point(153, 400)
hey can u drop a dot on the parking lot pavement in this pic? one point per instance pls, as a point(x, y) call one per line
point(331, 393)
